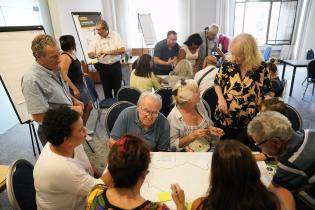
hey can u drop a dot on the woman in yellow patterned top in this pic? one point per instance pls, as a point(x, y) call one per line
point(241, 84)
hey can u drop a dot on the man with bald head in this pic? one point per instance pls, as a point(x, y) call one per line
point(144, 120)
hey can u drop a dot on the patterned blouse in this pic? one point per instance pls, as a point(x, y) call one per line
point(242, 95)
point(97, 200)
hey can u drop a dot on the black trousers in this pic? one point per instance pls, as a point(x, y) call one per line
point(111, 77)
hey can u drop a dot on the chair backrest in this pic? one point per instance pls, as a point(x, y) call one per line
point(91, 91)
point(20, 186)
point(283, 87)
point(207, 107)
point(166, 94)
point(210, 96)
point(267, 52)
point(295, 118)
point(311, 69)
point(113, 112)
point(310, 54)
point(127, 93)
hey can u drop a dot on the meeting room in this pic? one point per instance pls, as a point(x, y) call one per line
point(157, 104)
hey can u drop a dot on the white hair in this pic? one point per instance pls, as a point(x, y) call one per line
point(154, 96)
point(214, 28)
point(183, 68)
point(269, 124)
point(183, 93)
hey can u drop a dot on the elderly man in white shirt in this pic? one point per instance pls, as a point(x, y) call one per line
point(107, 48)
point(205, 77)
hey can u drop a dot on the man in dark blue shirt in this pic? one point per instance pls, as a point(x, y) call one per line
point(165, 54)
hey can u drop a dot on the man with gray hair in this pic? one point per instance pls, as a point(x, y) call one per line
point(295, 152)
point(144, 120)
point(42, 86)
point(210, 44)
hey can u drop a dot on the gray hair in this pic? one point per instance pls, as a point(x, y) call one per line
point(270, 124)
point(102, 23)
point(183, 68)
point(155, 96)
point(214, 28)
point(40, 42)
point(183, 93)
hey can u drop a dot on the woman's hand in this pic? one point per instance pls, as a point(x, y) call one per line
point(199, 133)
point(178, 196)
point(76, 93)
point(188, 149)
point(222, 105)
point(216, 131)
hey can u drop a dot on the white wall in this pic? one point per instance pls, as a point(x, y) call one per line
point(203, 14)
point(60, 11)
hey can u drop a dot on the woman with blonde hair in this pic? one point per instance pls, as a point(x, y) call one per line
point(241, 84)
point(183, 70)
point(191, 128)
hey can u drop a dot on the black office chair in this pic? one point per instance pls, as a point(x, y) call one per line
point(309, 56)
point(207, 107)
point(210, 96)
point(310, 76)
point(166, 94)
point(113, 112)
point(99, 105)
point(127, 93)
point(295, 118)
point(20, 186)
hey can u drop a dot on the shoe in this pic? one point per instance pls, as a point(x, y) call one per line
point(88, 138)
point(89, 132)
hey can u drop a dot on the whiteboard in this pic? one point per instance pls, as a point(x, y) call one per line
point(146, 25)
point(16, 57)
point(168, 168)
point(85, 23)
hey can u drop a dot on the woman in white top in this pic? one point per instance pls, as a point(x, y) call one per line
point(143, 77)
point(190, 50)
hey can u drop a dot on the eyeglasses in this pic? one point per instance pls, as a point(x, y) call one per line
point(261, 143)
point(149, 113)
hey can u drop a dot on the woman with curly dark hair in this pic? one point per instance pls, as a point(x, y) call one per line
point(128, 163)
point(63, 174)
point(235, 183)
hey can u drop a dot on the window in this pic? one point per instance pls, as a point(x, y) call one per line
point(271, 22)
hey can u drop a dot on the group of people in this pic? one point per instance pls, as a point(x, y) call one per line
point(64, 177)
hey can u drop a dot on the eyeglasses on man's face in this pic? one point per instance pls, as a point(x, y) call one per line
point(149, 113)
point(261, 143)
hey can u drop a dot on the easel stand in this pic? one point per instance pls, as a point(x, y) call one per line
point(33, 132)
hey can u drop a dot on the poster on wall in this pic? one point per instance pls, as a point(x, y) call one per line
point(85, 23)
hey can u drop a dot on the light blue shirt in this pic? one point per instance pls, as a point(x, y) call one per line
point(158, 136)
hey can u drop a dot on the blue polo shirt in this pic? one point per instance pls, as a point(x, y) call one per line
point(158, 136)
point(161, 51)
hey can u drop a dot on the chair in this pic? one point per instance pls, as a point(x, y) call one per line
point(210, 96)
point(295, 118)
point(166, 94)
point(310, 76)
point(207, 107)
point(283, 87)
point(20, 186)
point(97, 104)
point(113, 112)
point(127, 93)
point(309, 56)
point(267, 52)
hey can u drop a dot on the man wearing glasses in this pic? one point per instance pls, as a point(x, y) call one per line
point(144, 120)
point(107, 48)
point(294, 151)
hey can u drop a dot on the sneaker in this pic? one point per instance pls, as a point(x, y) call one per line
point(89, 132)
point(88, 138)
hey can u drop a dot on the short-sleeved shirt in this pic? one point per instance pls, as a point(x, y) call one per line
point(144, 83)
point(158, 136)
point(190, 56)
point(242, 95)
point(296, 167)
point(63, 182)
point(44, 89)
point(162, 51)
point(109, 43)
point(208, 80)
point(179, 129)
point(212, 46)
point(97, 200)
